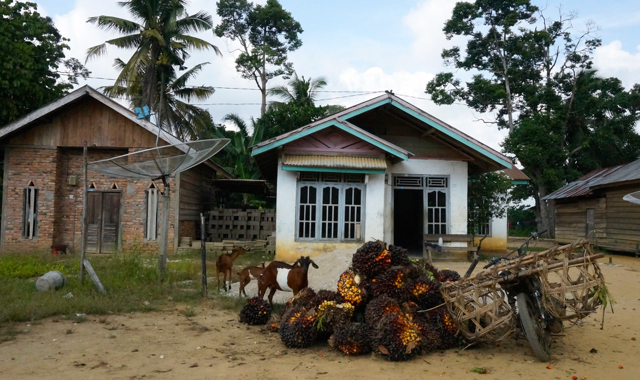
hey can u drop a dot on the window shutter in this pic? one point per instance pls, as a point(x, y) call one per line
point(25, 215)
point(35, 213)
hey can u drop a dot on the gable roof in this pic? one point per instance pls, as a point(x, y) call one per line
point(82, 93)
point(584, 185)
point(463, 139)
point(325, 123)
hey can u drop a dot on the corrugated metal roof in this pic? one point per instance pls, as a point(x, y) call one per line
point(581, 186)
point(515, 174)
point(598, 178)
point(339, 162)
point(628, 172)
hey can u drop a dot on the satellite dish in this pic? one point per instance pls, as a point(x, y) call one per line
point(159, 162)
point(633, 197)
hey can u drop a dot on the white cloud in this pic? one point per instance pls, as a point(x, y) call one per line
point(612, 60)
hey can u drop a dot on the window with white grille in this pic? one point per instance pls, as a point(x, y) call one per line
point(30, 211)
point(330, 206)
point(151, 227)
point(307, 204)
point(436, 212)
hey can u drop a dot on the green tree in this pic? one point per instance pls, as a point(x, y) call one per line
point(237, 154)
point(32, 61)
point(266, 33)
point(160, 36)
point(185, 120)
point(488, 199)
point(537, 79)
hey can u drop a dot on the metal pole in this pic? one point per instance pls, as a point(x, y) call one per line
point(164, 229)
point(203, 255)
point(83, 249)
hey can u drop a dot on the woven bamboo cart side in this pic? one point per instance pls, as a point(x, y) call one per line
point(571, 291)
point(481, 311)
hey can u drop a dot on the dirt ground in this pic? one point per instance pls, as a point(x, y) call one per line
point(213, 344)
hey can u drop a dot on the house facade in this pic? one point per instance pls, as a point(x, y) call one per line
point(43, 177)
point(594, 207)
point(383, 169)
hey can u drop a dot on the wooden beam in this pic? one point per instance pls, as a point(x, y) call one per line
point(83, 248)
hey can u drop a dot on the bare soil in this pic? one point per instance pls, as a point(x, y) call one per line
point(213, 344)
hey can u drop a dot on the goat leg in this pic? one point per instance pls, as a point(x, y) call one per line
point(271, 293)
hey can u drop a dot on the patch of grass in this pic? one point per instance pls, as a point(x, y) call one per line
point(229, 303)
point(131, 280)
point(8, 333)
point(189, 312)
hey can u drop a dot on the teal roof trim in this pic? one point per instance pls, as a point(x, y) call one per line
point(322, 126)
point(331, 170)
point(451, 134)
point(519, 182)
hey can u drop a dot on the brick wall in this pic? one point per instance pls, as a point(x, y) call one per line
point(188, 228)
point(22, 166)
point(60, 204)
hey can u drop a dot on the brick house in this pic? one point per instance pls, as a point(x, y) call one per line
point(43, 176)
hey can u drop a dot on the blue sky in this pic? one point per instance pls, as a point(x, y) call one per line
point(361, 45)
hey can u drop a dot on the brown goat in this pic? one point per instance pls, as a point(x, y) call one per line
point(282, 276)
point(224, 263)
point(246, 275)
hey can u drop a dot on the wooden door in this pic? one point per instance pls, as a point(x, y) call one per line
point(94, 221)
point(110, 222)
point(103, 221)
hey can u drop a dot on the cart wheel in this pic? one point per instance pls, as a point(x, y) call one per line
point(536, 335)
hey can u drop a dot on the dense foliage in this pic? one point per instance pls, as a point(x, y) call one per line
point(32, 61)
point(537, 77)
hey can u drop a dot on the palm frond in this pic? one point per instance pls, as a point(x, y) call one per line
point(96, 51)
point(199, 93)
point(126, 42)
point(198, 22)
point(197, 43)
point(118, 24)
point(155, 34)
point(181, 81)
point(237, 120)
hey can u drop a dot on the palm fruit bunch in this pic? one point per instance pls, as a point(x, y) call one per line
point(448, 275)
point(425, 269)
point(380, 307)
point(371, 259)
point(446, 328)
point(303, 298)
point(325, 295)
point(256, 312)
point(297, 328)
point(430, 337)
point(351, 338)
point(399, 256)
point(426, 293)
point(394, 283)
point(331, 314)
point(352, 288)
point(397, 336)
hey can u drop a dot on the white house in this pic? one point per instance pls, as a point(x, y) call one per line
point(382, 169)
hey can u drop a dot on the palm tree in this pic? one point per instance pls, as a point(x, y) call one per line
point(184, 120)
point(239, 149)
point(160, 37)
point(299, 91)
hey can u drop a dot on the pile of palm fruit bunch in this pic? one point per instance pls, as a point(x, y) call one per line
point(384, 303)
point(256, 312)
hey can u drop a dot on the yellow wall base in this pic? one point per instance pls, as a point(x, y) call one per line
point(290, 252)
point(492, 244)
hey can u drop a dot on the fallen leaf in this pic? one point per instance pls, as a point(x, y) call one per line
point(410, 347)
point(383, 350)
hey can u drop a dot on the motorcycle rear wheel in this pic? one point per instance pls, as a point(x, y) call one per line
point(536, 335)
